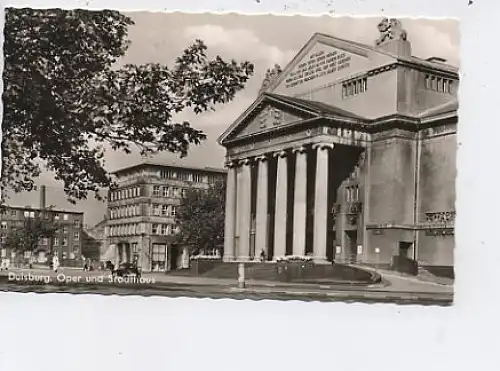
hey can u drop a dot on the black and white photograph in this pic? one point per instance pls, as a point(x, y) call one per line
point(229, 156)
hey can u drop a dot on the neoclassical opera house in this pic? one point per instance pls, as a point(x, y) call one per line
point(348, 154)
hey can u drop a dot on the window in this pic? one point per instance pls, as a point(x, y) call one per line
point(76, 224)
point(166, 192)
point(29, 214)
point(156, 210)
point(65, 229)
point(172, 230)
point(4, 253)
point(56, 241)
point(65, 241)
point(173, 210)
point(44, 241)
point(76, 235)
point(13, 212)
point(3, 239)
point(164, 229)
point(137, 209)
point(154, 229)
point(175, 192)
point(4, 225)
point(352, 193)
point(164, 210)
point(156, 191)
point(27, 254)
point(65, 217)
point(168, 174)
point(183, 193)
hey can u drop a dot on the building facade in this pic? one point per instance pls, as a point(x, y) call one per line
point(348, 154)
point(142, 210)
point(66, 244)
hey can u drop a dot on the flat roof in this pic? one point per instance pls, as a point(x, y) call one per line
point(27, 207)
point(170, 165)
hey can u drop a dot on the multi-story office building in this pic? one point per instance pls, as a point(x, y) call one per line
point(65, 243)
point(142, 213)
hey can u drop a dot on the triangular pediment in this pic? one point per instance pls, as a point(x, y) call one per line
point(272, 112)
point(266, 114)
point(324, 60)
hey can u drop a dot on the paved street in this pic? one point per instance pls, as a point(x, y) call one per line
point(397, 289)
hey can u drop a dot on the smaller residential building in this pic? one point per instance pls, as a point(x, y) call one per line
point(142, 211)
point(66, 243)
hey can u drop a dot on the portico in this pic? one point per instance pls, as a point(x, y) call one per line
point(280, 187)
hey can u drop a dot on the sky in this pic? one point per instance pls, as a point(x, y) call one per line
point(261, 39)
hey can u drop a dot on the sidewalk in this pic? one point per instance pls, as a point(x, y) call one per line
point(394, 284)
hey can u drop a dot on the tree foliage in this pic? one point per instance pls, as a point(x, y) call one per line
point(65, 100)
point(27, 235)
point(200, 218)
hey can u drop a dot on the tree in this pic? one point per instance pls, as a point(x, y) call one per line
point(27, 236)
point(200, 218)
point(65, 100)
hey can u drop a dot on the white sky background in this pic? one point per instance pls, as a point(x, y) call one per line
point(261, 39)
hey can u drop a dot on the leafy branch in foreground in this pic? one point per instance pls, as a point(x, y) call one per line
point(64, 102)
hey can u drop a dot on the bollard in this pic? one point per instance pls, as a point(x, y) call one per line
point(241, 275)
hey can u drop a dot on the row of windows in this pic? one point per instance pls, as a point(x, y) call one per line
point(164, 210)
point(132, 229)
point(164, 229)
point(32, 214)
point(56, 241)
point(135, 210)
point(187, 176)
point(125, 211)
point(439, 84)
point(354, 87)
point(169, 192)
point(123, 194)
point(65, 228)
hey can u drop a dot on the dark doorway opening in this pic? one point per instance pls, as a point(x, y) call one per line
point(330, 252)
point(405, 249)
point(351, 241)
point(174, 255)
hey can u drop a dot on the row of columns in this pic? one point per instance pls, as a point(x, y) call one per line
point(238, 205)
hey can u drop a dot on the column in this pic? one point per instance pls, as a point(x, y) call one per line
point(321, 203)
point(281, 203)
point(244, 215)
point(230, 222)
point(261, 219)
point(300, 202)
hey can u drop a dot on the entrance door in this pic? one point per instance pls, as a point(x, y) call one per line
point(351, 238)
point(159, 255)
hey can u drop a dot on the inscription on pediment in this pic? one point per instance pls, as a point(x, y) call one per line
point(320, 66)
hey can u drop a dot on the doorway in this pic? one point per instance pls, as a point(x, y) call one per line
point(174, 257)
point(351, 242)
point(405, 249)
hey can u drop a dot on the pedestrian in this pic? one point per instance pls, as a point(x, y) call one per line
point(262, 255)
point(55, 263)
